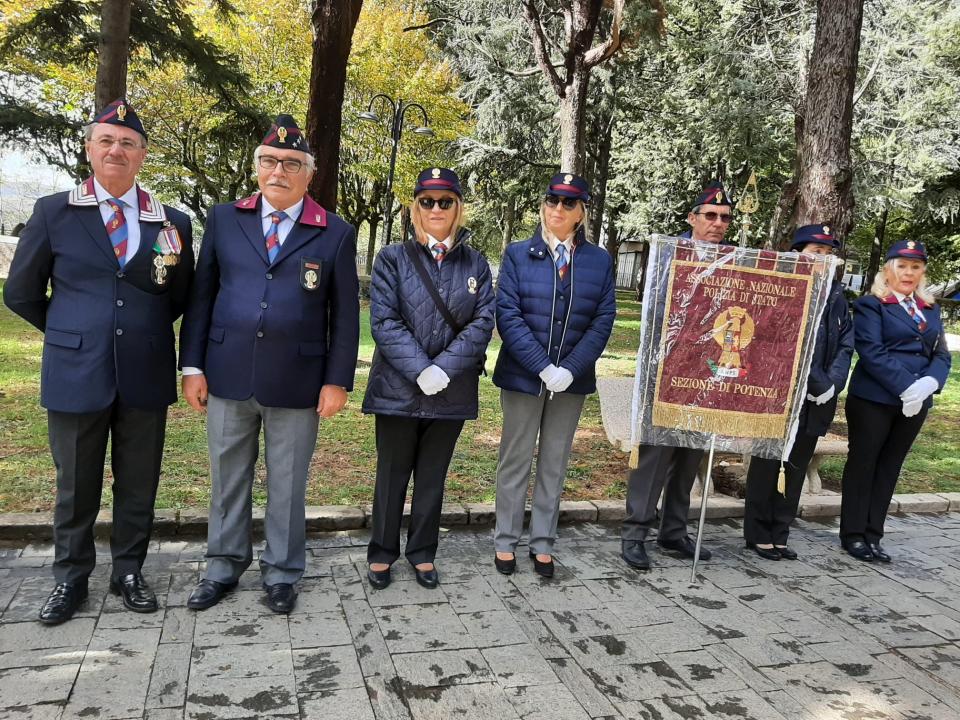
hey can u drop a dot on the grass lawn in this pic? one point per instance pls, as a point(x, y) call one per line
point(342, 471)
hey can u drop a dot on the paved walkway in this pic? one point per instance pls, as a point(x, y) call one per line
point(822, 638)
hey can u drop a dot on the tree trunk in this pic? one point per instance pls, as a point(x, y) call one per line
point(781, 220)
point(826, 172)
point(613, 242)
point(876, 250)
point(599, 182)
point(573, 111)
point(113, 52)
point(509, 221)
point(333, 24)
point(373, 222)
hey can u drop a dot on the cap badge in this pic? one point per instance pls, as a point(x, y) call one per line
point(121, 112)
point(568, 179)
point(435, 173)
point(282, 134)
point(719, 197)
point(826, 229)
point(911, 244)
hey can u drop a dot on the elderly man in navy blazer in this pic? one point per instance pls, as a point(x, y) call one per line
point(119, 265)
point(269, 340)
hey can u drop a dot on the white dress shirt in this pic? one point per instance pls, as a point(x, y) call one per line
point(431, 241)
point(902, 300)
point(553, 241)
point(131, 213)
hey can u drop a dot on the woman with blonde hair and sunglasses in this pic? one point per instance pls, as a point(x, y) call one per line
point(903, 362)
point(431, 316)
point(555, 312)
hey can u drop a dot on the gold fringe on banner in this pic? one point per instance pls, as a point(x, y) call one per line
point(721, 422)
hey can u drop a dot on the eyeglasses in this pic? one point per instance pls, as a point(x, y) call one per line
point(126, 144)
point(289, 165)
point(568, 203)
point(712, 216)
point(427, 203)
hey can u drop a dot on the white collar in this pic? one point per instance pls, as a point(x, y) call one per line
point(431, 241)
point(901, 298)
point(293, 212)
point(129, 197)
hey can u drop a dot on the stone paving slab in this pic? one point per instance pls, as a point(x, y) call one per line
point(822, 638)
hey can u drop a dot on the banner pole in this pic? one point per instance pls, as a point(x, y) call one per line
point(705, 490)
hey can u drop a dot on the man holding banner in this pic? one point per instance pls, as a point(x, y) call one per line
point(667, 469)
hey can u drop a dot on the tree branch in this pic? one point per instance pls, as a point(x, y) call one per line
point(540, 47)
point(867, 80)
point(612, 44)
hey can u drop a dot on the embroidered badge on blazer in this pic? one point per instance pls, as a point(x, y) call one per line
point(310, 273)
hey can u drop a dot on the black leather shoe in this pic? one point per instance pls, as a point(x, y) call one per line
point(635, 554)
point(136, 594)
point(860, 550)
point(505, 567)
point(427, 578)
point(543, 569)
point(878, 552)
point(379, 579)
point(770, 553)
point(281, 597)
point(208, 593)
point(63, 602)
point(786, 553)
point(685, 546)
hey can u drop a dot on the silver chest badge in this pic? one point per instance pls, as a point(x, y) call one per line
point(472, 285)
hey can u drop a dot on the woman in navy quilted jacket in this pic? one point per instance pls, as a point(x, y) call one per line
point(555, 312)
point(431, 315)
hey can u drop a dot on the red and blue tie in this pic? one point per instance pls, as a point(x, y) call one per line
point(439, 252)
point(272, 236)
point(912, 310)
point(562, 264)
point(117, 230)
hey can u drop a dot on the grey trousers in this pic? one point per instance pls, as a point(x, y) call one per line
point(660, 466)
point(525, 417)
point(233, 435)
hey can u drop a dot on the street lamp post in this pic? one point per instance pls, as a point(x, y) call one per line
point(398, 112)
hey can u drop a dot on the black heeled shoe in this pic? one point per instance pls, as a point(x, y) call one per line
point(427, 578)
point(505, 567)
point(543, 569)
point(785, 552)
point(379, 579)
point(769, 553)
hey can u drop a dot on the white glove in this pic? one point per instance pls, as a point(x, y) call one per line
point(912, 408)
point(920, 390)
point(549, 375)
point(432, 380)
point(821, 399)
point(562, 380)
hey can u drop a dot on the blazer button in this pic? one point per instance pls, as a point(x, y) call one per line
point(119, 303)
point(259, 333)
point(263, 305)
point(269, 276)
point(556, 347)
point(119, 331)
point(119, 273)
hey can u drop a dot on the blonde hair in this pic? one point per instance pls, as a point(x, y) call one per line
point(881, 289)
point(543, 220)
point(417, 221)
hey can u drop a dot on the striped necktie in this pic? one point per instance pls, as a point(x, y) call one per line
point(561, 261)
point(117, 230)
point(912, 310)
point(272, 236)
point(439, 252)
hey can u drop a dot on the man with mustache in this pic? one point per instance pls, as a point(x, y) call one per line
point(269, 339)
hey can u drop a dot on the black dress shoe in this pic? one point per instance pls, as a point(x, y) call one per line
point(685, 546)
point(635, 554)
point(63, 602)
point(136, 594)
point(543, 569)
point(860, 550)
point(208, 593)
point(878, 552)
point(770, 553)
point(281, 597)
point(379, 579)
point(427, 578)
point(786, 553)
point(505, 567)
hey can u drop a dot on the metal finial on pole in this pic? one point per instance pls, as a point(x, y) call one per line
point(748, 204)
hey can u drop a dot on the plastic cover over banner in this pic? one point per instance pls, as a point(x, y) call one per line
point(726, 340)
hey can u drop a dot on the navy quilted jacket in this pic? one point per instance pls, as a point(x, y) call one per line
point(543, 319)
point(411, 334)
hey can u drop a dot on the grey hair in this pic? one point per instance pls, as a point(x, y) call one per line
point(882, 290)
point(88, 133)
point(310, 162)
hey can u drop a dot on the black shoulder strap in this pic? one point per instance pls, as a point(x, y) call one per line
point(413, 251)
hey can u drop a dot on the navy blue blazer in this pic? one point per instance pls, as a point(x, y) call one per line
point(275, 331)
point(893, 352)
point(831, 362)
point(108, 332)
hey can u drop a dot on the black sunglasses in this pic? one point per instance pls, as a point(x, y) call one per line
point(427, 203)
point(712, 216)
point(568, 203)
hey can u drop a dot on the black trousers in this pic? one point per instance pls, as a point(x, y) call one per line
point(880, 438)
point(767, 513)
point(423, 448)
point(78, 443)
point(660, 466)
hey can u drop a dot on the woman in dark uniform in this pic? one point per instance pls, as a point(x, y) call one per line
point(431, 315)
point(768, 514)
point(903, 361)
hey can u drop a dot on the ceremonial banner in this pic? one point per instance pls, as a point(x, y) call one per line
point(726, 343)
